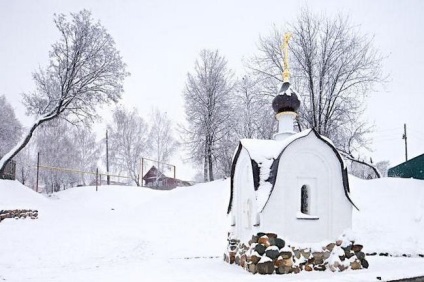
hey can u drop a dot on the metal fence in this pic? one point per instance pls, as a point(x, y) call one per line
point(97, 178)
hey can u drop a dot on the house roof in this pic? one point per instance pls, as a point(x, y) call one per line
point(265, 156)
point(412, 168)
point(153, 173)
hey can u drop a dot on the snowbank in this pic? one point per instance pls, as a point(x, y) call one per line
point(134, 234)
point(391, 214)
point(14, 195)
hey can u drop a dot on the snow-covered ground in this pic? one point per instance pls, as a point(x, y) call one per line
point(138, 234)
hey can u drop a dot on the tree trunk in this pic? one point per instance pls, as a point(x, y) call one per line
point(205, 166)
point(25, 140)
point(210, 165)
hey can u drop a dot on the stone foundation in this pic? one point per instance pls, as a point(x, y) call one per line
point(18, 214)
point(266, 253)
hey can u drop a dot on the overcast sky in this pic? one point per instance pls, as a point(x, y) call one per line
point(160, 40)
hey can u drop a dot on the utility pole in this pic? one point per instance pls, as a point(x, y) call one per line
point(405, 137)
point(38, 170)
point(97, 179)
point(107, 160)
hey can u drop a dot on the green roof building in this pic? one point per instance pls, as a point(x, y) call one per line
point(413, 168)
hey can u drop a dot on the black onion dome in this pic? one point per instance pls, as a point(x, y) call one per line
point(286, 101)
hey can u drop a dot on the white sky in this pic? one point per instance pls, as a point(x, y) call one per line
point(160, 40)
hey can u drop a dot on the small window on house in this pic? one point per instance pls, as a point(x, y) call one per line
point(305, 200)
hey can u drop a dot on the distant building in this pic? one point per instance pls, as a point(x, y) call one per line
point(154, 178)
point(413, 168)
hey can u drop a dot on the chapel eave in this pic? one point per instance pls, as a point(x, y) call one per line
point(275, 164)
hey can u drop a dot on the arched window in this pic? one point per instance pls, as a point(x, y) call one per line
point(305, 200)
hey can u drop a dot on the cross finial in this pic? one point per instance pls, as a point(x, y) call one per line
point(285, 49)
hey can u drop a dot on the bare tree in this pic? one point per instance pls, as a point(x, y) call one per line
point(254, 118)
point(383, 167)
point(128, 136)
point(10, 127)
point(85, 70)
point(57, 149)
point(161, 139)
point(224, 152)
point(26, 162)
point(334, 67)
point(86, 153)
point(207, 107)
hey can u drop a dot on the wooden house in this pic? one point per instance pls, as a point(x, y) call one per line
point(155, 179)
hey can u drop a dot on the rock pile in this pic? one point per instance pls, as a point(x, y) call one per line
point(265, 253)
point(17, 214)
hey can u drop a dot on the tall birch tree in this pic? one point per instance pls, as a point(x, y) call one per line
point(208, 108)
point(128, 135)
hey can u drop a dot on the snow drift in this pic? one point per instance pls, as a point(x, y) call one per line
point(133, 234)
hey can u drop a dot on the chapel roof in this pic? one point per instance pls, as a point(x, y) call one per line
point(286, 100)
point(265, 156)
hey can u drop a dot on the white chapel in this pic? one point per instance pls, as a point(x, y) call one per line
point(295, 185)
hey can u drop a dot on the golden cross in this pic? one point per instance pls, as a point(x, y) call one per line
point(285, 49)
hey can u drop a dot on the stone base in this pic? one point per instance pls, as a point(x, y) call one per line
point(18, 214)
point(265, 253)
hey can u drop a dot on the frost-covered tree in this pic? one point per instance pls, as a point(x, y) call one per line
point(128, 135)
point(208, 108)
point(85, 71)
point(223, 153)
point(57, 149)
point(67, 150)
point(26, 162)
point(161, 139)
point(383, 167)
point(364, 169)
point(10, 127)
point(333, 67)
point(86, 154)
point(254, 118)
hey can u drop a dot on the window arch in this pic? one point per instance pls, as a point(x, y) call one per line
point(305, 200)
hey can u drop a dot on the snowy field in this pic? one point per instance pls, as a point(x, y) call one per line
point(138, 234)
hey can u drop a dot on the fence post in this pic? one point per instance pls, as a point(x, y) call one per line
point(142, 171)
point(107, 159)
point(97, 178)
point(38, 170)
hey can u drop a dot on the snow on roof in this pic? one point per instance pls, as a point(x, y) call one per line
point(262, 150)
point(264, 153)
point(289, 91)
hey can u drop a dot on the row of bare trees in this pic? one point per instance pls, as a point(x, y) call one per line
point(61, 144)
point(131, 138)
point(334, 68)
point(85, 72)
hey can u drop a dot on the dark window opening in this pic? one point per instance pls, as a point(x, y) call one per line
point(304, 200)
